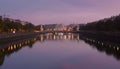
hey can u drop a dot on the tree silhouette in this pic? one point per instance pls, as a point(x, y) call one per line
point(107, 24)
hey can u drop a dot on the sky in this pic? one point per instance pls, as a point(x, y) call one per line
point(59, 11)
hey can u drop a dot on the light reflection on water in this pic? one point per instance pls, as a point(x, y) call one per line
point(60, 51)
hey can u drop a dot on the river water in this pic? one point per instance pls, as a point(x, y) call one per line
point(59, 51)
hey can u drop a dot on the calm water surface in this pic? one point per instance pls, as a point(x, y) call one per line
point(58, 51)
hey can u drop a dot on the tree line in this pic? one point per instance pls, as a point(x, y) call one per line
point(9, 25)
point(107, 24)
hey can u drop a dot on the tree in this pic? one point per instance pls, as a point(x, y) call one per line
point(29, 27)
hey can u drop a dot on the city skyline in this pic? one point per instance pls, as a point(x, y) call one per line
point(59, 11)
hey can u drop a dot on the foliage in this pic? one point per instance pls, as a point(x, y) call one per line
point(10, 25)
point(107, 24)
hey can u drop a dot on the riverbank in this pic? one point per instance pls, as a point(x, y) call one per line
point(16, 36)
point(102, 35)
point(99, 35)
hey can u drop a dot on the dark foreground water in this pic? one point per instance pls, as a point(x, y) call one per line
point(59, 51)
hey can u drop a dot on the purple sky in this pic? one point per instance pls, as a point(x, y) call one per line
point(59, 11)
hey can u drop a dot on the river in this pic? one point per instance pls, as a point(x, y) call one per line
point(59, 51)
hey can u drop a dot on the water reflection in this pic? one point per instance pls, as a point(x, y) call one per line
point(58, 36)
point(14, 47)
point(10, 48)
point(110, 48)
